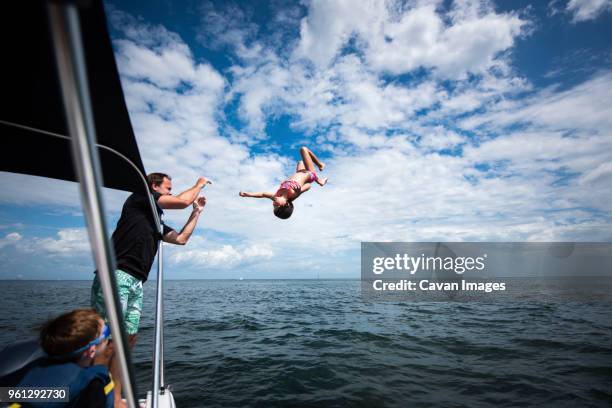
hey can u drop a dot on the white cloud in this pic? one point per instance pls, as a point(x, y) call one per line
point(583, 10)
point(258, 88)
point(586, 106)
point(70, 242)
point(10, 239)
point(347, 86)
point(229, 26)
point(201, 253)
point(399, 39)
point(349, 89)
point(438, 138)
point(330, 24)
point(600, 176)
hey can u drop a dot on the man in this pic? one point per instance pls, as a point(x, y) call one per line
point(136, 240)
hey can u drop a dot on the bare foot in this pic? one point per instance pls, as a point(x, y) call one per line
point(322, 181)
point(321, 166)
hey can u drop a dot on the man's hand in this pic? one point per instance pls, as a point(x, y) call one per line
point(202, 181)
point(181, 238)
point(198, 205)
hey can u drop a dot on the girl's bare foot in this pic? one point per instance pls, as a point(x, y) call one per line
point(321, 166)
point(322, 181)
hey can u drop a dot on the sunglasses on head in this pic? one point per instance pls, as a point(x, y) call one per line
point(103, 336)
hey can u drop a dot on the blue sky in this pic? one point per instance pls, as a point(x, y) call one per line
point(447, 120)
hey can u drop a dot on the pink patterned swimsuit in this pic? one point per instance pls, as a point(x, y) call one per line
point(289, 185)
point(294, 185)
point(313, 176)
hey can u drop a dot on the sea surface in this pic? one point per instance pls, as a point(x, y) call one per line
point(318, 343)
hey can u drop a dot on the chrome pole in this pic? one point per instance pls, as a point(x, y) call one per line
point(158, 362)
point(66, 32)
point(162, 379)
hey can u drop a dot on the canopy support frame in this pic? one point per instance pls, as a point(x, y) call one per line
point(158, 358)
point(70, 58)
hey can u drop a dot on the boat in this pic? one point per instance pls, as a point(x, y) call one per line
point(64, 116)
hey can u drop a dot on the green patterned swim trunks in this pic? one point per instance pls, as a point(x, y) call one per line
point(130, 296)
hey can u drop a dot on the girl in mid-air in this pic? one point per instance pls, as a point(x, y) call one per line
point(292, 188)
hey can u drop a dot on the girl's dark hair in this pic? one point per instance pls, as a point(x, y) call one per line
point(284, 212)
point(69, 332)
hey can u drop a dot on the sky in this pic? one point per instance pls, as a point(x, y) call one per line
point(437, 120)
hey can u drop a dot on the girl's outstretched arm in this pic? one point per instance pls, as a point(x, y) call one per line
point(262, 194)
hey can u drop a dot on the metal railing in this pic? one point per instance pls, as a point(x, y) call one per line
point(158, 358)
point(66, 33)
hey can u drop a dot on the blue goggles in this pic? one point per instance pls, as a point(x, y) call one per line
point(104, 336)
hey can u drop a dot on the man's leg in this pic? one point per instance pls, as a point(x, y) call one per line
point(130, 297)
point(132, 312)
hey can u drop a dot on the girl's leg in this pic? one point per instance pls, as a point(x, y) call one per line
point(301, 167)
point(309, 157)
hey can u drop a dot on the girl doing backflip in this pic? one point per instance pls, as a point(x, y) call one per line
point(294, 186)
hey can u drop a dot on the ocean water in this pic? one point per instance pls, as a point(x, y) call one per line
point(317, 343)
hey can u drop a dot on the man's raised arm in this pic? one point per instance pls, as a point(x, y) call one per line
point(181, 238)
point(184, 199)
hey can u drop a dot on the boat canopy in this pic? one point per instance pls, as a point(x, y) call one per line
point(32, 105)
point(61, 97)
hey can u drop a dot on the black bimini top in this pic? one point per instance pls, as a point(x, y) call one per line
point(31, 97)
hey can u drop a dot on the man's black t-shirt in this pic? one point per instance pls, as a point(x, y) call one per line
point(136, 238)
